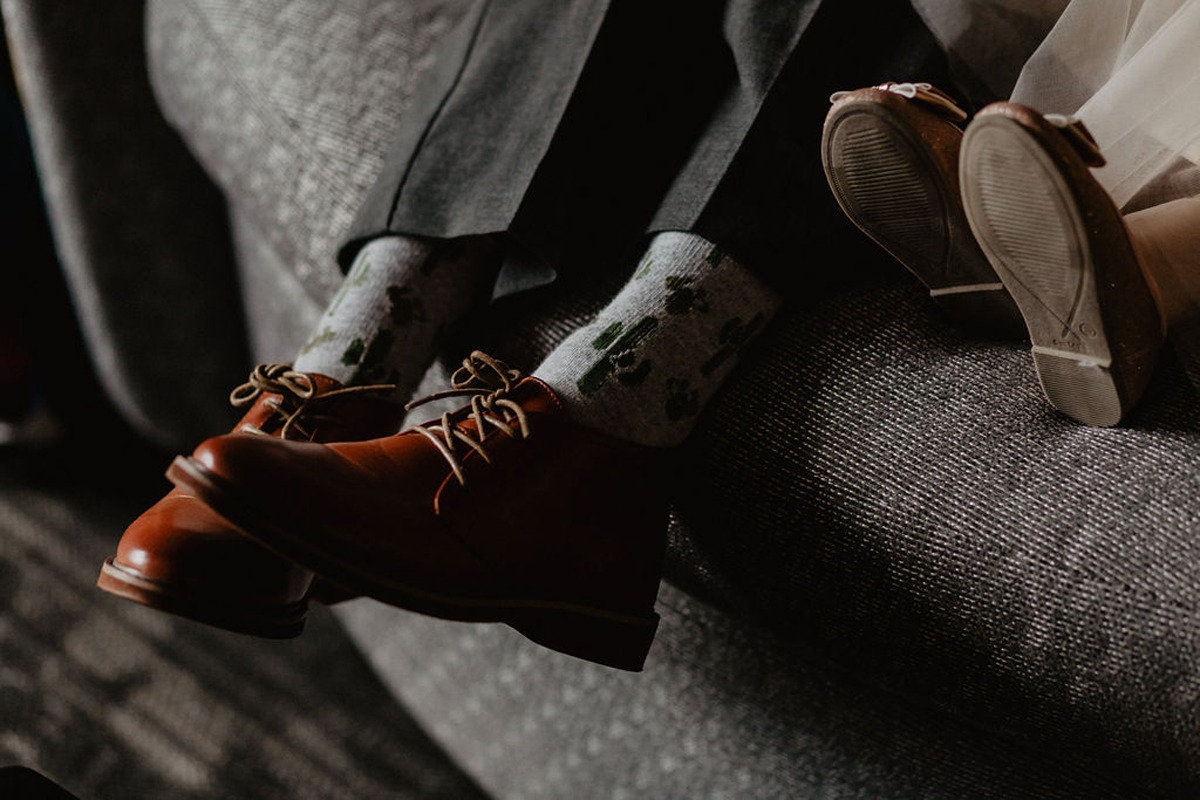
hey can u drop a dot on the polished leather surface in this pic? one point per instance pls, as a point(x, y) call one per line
point(566, 515)
point(191, 552)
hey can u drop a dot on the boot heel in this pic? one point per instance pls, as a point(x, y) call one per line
point(620, 642)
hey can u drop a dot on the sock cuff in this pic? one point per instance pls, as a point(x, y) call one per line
point(645, 366)
point(683, 254)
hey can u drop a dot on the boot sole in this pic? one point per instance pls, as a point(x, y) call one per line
point(1057, 243)
point(887, 183)
point(609, 638)
point(275, 622)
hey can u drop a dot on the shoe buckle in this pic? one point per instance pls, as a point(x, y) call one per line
point(930, 96)
point(1079, 137)
point(924, 93)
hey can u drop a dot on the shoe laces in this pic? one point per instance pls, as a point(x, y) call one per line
point(487, 382)
point(296, 402)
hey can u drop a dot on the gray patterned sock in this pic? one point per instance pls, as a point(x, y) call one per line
point(398, 298)
point(648, 363)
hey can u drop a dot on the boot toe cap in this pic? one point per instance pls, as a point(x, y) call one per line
point(184, 546)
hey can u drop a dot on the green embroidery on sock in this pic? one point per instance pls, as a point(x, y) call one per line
point(682, 298)
point(607, 336)
point(644, 268)
point(619, 355)
point(714, 257)
point(404, 307)
point(733, 335)
point(353, 353)
point(378, 349)
point(634, 336)
point(682, 399)
point(325, 335)
point(636, 376)
point(356, 277)
point(595, 377)
point(374, 361)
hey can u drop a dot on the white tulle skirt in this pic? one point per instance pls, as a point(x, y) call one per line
point(1129, 69)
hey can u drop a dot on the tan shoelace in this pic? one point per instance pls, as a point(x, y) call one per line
point(298, 401)
point(487, 381)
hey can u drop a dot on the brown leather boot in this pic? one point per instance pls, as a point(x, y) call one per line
point(504, 511)
point(179, 556)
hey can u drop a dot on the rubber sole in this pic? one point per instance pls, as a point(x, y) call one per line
point(890, 186)
point(609, 638)
point(1058, 249)
point(278, 622)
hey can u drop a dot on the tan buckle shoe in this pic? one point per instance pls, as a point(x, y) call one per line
point(1061, 247)
point(890, 154)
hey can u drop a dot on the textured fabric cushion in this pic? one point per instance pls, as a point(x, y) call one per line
point(139, 228)
point(293, 105)
point(877, 501)
point(114, 700)
point(892, 498)
point(910, 501)
point(723, 709)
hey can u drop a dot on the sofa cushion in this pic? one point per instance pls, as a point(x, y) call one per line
point(871, 484)
point(292, 105)
point(138, 227)
point(876, 486)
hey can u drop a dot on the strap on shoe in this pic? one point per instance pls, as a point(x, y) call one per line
point(1079, 137)
point(924, 93)
point(929, 95)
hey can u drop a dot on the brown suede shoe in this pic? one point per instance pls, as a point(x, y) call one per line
point(1062, 249)
point(890, 154)
point(179, 556)
point(504, 511)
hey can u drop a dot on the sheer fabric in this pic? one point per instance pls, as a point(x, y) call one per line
point(1130, 69)
point(989, 41)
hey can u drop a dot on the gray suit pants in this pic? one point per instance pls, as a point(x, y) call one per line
point(579, 126)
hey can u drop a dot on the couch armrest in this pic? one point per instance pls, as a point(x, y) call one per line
point(141, 232)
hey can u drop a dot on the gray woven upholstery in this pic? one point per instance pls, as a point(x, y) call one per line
point(115, 701)
point(894, 572)
point(904, 519)
point(139, 227)
point(292, 106)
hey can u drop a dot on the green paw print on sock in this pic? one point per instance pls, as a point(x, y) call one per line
point(353, 353)
point(682, 400)
point(372, 367)
point(734, 333)
point(369, 357)
point(404, 307)
point(630, 375)
point(619, 356)
point(683, 298)
point(714, 257)
point(644, 268)
point(326, 335)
